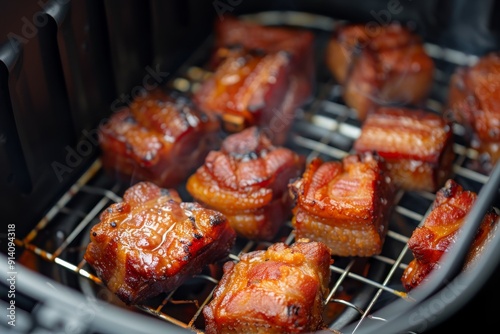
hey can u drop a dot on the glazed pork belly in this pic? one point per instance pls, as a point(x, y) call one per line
point(440, 230)
point(474, 102)
point(152, 242)
point(247, 180)
point(377, 66)
point(344, 204)
point(161, 137)
point(417, 146)
point(261, 76)
point(278, 290)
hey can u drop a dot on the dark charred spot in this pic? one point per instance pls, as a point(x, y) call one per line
point(185, 248)
point(197, 236)
point(94, 234)
point(292, 310)
point(113, 224)
point(241, 61)
point(192, 219)
point(217, 220)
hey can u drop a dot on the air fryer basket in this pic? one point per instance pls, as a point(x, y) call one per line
point(56, 291)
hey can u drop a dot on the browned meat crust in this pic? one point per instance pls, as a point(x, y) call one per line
point(380, 66)
point(279, 290)
point(439, 232)
point(416, 145)
point(152, 242)
point(162, 138)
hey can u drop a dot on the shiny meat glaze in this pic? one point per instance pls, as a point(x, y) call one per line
point(359, 286)
point(378, 67)
point(161, 138)
point(152, 242)
point(344, 204)
point(474, 102)
point(247, 180)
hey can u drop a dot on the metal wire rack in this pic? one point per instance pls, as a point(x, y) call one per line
point(323, 127)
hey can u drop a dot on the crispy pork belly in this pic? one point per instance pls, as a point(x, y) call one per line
point(278, 290)
point(474, 102)
point(261, 76)
point(383, 65)
point(440, 230)
point(344, 204)
point(152, 242)
point(161, 137)
point(247, 180)
point(417, 146)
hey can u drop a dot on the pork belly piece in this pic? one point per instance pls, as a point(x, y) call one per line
point(247, 180)
point(234, 35)
point(474, 102)
point(383, 65)
point(261, 76)
point(152, 242)
point(416, 145)
point(278, 290)
point(161, 137)
point(440, 230)
point(344, 204)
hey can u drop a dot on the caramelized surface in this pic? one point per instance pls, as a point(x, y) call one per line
point(152, 242)
point(474, 102)
point(416, 145)
point(440, 230)
point(379, 66)
point(160, 138)
point(345, 204)
point(260, 293)
point(261, 75)
point(247, 180)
